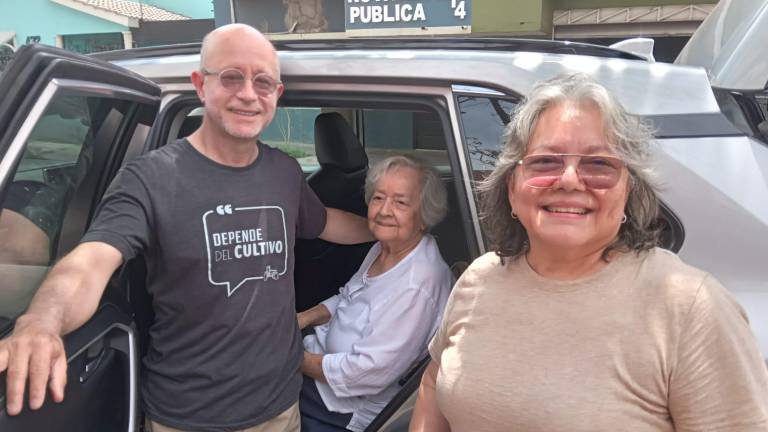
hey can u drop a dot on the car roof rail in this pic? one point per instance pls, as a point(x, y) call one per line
point(442, 43)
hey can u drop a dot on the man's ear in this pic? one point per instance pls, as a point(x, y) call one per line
point(198, 79)
point(280, 90)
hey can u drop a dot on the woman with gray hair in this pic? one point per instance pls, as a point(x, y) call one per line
point(368, 335)
point(577, 321)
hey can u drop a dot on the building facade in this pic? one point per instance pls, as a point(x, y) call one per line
point(94, 25)
point(668, 22)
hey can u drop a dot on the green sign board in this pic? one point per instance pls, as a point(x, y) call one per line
point(382, 14)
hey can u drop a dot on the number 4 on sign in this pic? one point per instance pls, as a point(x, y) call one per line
point(458, 9)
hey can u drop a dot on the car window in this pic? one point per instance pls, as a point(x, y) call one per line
point(762, 127)
point(416, 133)
point(57, 157)
point(381, 132)
point(484, 120)
point(6, 54)
point(91, 43)
point(762, 102)
point(730, 107)
point(293, 131)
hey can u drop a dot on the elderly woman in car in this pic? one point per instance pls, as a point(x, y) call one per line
point(369, 334)
point(577, 321)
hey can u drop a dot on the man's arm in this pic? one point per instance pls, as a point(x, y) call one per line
point(66, 299)
point(312, 366)
point(312, 317)
point(345, 228)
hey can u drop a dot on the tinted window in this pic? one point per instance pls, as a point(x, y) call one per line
point(6, 54)
point(762, 102)
point(381, 132)
point(762, 127)
point(420, 134)
point(293, 131)
point(483, 120)
point(91, 43)
point(57, 157)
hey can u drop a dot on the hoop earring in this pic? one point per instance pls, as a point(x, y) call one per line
point(624, 218)
point(512, 213)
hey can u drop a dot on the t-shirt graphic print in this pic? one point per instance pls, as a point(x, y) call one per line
point(245, 244)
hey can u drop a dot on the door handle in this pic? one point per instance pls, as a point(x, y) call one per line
point(93, 359)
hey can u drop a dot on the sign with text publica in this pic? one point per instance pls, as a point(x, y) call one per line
point(380, 14)
point(245, 244)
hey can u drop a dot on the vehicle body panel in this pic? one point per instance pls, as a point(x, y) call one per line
point(645, 88)
point(718, 187)
point(731, 45)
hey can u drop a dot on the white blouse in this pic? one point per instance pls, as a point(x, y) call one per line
point(379, 327)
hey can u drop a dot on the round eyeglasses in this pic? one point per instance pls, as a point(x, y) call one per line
point(542, 171)
point(233, 80)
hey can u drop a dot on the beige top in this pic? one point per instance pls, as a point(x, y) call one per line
point(648, 343)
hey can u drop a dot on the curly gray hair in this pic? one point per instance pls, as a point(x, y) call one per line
point(434, 199)
point(631, 139)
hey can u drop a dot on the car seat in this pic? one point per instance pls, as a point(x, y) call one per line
point(343, 163)
point(321, 268)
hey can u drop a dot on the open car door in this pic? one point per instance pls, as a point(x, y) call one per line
point(730, 44)
point(66, 121)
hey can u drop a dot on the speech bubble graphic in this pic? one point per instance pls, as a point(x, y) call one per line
point(245, 243)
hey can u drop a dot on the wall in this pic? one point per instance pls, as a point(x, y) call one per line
point(589, 4)
point(46, 19)
point(512, 16)
point(489, 17)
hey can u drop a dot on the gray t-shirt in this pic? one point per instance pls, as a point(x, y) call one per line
point(225, 346)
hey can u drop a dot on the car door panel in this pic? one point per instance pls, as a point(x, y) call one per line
point(51, 96)
point(101, 375)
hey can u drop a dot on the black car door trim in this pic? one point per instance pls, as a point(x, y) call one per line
point(54, 88)
point(110, 319)
point(124, 342)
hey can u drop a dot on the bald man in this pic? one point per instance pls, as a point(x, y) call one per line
point(215, 216)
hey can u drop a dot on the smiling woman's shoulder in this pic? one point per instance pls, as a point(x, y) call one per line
point(483, 267)
point(662, 275)
point(665, 267)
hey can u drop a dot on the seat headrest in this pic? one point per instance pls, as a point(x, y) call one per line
point(337, 145)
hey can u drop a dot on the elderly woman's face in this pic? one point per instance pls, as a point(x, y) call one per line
point(569, 214)
point(394, 212)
